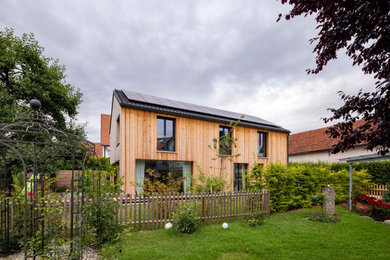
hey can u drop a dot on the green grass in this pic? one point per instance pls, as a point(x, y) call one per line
point(284, 236)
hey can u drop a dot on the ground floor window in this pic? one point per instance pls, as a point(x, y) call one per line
point(239, 176)
point(177, 169)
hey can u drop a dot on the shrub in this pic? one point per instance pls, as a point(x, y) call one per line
point(380, 208)
point(386, 195)
point(208, 184)
point(99, 211)
point(166, 184)
point(357, 196)
point(99, 216)
point(378, 170)
point(186, 217)
point(318, 200)
point(294, 185)
point(255, 219)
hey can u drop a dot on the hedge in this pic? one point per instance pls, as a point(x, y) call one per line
point(379, 170)
point(294, 186)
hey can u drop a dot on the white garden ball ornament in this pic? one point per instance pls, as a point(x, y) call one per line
point(168, 226)
point(225, 225)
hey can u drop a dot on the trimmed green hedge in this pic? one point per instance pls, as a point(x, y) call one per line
point(293, 186)
point(379, 170)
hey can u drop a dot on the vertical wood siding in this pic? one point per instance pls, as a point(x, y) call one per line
point(192, 138)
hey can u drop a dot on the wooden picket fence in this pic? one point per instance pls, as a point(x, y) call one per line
point(154, 211)
point(375, 190)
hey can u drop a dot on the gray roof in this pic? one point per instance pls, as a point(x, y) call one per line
point(169, 106)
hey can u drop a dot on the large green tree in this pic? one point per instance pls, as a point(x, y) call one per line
point(25, 73)
point(361, 28)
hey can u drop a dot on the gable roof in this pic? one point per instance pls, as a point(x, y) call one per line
point(169, 106)
point(313, 140)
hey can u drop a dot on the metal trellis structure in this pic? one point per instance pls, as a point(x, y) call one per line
point(34, 149)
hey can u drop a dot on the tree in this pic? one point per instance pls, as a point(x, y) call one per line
point(222, 146)
point(25, 73)
point(362, 28)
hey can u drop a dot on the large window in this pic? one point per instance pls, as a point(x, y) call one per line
point(225, 144)
point(262, 144)
point(165, 134)
point(239, 176)
point(161, 169)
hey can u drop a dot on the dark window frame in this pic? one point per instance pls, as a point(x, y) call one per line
point(265, 137)
point(229, 128)
point(239, 176)
point(166, 147)
point(118, 131)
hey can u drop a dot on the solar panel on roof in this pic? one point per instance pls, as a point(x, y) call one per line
point(132, 95)
point(193, 107)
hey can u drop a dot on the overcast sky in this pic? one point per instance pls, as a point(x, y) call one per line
point(224, 54)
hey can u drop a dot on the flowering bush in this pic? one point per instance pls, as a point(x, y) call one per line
point(380, 208)
point(357, 196)
point(322, 217)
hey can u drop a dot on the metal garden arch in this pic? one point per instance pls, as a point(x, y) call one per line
point(33, 147)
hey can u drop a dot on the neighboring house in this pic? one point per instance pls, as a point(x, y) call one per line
point(102, 149)
point(172, 136)
point(105, 134)
point(314, 145)
point(98, 150)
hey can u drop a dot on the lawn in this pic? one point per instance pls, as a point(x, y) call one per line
point(288, 235)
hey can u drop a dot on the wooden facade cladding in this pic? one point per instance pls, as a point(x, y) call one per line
point(138, 140)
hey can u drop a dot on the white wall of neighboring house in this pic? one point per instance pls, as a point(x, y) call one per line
point(324, 156)
point(115, 148)
point(106, 151)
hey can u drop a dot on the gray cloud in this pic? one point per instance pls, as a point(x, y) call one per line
point(226, 54)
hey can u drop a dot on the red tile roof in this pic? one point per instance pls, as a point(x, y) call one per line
point(313, 140)
point(105, 129)
point(98, 150)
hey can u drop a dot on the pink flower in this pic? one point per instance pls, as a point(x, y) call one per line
point(30, 193)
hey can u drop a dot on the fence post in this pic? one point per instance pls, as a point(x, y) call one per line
point(266, 197)
point(202, 207)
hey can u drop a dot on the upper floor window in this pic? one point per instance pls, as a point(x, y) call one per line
point(165, 134)
point(262, 144)
point(118, 130)
point(225, 140)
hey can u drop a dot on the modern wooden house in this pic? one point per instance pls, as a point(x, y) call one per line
point(164, 135)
